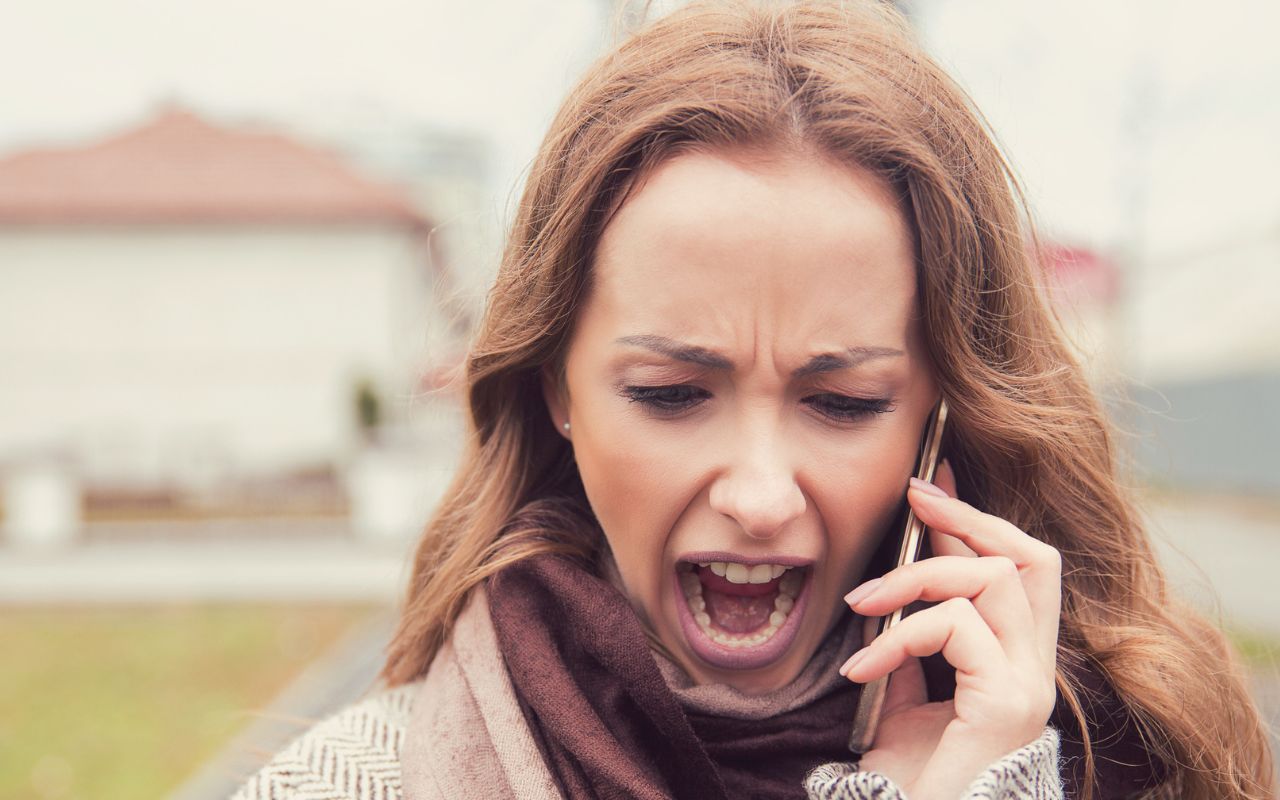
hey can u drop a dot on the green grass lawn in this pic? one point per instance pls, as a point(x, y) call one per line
point(1259, 652)
point(125, 703)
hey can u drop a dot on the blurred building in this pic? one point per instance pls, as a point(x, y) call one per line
point(1187, 352)
point(186, 301)
point(1084, 287)
point(448, 174)
point(1205, 342)
point(1208, 314)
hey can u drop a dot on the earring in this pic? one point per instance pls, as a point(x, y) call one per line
point(566, 426)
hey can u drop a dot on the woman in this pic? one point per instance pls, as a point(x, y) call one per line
point(759, 244)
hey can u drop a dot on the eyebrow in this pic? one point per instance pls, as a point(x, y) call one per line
point(825, 362)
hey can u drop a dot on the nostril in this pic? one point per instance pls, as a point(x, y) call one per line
point(760, 512)
point(757, 486)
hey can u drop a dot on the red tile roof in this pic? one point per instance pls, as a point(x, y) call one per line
point(181, 168)
point(1082, 272)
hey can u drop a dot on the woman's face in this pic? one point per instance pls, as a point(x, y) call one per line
point(747, 385)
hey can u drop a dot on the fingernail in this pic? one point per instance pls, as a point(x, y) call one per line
point(928, 488)
point(860, 593)
point(852, 662)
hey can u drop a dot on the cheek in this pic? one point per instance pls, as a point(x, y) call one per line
point(859, 488)
point(638, 484)
point(626, 477)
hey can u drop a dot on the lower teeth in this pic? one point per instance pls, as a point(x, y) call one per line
point(782, 605)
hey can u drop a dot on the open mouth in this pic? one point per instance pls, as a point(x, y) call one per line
point(737, 615)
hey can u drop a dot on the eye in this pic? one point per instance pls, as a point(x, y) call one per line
point(665, 400)
point(849, 409)
point(671, 400)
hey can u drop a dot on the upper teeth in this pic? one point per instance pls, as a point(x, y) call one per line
point(741, 573)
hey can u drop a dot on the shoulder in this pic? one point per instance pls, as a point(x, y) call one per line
point(350, 755)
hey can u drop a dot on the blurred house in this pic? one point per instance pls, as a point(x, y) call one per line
point(1206, 344)
point(448, 173)
point(1084, 287)
point(187, 301)
point(1188, 351)
point(1209, 314)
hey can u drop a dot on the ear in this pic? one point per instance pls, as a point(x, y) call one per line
point(554, 397)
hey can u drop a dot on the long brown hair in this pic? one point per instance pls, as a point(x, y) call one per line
point(1029, 441)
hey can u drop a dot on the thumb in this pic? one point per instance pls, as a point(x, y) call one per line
point(945, 478)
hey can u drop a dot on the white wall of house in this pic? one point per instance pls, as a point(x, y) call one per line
point(1208, 315)
point(1203, 317)
point(154, 350)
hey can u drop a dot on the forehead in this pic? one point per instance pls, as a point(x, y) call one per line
point(723, 246)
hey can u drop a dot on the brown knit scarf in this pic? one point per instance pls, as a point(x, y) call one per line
point(613, 721)
point(608, 723)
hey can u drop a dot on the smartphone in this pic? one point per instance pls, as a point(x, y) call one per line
point(871, 701)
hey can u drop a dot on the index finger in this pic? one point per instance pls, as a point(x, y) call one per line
point(940, 543)
point(1039, 565)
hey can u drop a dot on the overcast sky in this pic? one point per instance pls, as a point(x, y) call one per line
point(1164, 114)
point(1155, 116)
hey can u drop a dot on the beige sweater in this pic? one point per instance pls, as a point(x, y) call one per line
point(459, 733)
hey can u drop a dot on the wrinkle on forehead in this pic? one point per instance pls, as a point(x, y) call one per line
point(798, 254)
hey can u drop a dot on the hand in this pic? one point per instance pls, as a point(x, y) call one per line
point(999, 595)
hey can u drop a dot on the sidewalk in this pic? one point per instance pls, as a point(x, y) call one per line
point(1222, 556)
point(240, 569)
point(340, 677)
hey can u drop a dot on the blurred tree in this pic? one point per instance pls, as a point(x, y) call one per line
point(368, 409)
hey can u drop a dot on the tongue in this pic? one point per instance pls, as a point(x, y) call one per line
point(738, 613)
point(737, 607)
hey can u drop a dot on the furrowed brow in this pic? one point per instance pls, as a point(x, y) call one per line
point(825, 362)
point(679, 351)
point(849, 358)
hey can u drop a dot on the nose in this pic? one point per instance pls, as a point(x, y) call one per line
point(758, 487)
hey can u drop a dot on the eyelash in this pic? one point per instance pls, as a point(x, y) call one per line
point(849, 409)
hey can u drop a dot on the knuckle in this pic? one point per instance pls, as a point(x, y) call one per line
point(907, 570)
point(899, 579)
point(893, 641)
point(958, 609)
point(1002, 567)
point(970, 523)
point(1049, 556)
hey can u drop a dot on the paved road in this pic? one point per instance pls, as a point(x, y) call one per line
point(1223, 556)
point(244, 569)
